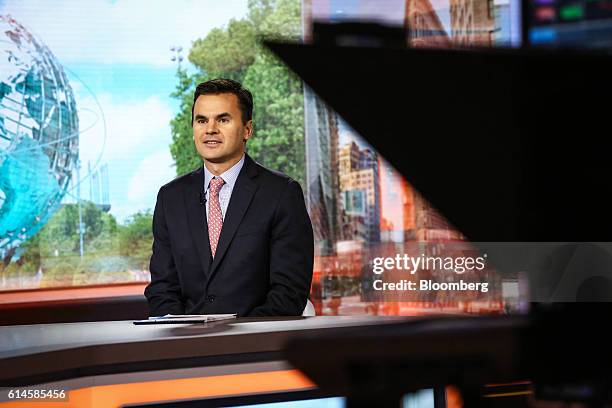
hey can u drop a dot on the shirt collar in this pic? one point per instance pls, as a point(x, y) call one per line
point(229, 176)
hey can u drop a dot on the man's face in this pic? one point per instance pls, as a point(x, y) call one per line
point(218, 131)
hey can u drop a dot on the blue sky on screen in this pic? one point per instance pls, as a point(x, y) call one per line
point(116, 55)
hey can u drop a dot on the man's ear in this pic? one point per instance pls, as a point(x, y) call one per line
point(249, 130)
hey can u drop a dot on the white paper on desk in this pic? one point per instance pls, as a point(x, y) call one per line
point(194, 318)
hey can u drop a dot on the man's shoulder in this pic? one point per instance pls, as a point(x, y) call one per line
point(273, 178)
point(180, 182)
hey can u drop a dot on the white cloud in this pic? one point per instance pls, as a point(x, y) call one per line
point(136, 190)
point(128, 31)
point(152, 172)
point(131, 126)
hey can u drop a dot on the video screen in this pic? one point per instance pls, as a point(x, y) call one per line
point(95, 118)
point(578, 24)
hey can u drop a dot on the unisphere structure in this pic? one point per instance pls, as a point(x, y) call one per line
point(39, 134)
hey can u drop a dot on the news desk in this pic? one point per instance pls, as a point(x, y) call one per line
point(116, 363)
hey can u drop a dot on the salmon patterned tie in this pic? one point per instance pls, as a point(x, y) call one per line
point(215, 217)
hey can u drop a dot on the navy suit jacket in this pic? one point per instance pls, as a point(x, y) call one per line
point(264, 259)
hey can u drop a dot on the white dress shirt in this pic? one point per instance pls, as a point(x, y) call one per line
point(229, 176)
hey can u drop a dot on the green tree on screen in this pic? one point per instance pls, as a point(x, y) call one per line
point(61, 234)
point(108, 247)
point(226, 51)
point(182, 147)
point(136, 237)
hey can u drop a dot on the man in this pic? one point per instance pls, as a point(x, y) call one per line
point(232, 236)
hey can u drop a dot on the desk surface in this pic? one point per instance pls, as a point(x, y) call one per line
point(32, 354)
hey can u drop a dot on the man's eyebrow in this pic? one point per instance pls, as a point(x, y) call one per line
point(219, 116)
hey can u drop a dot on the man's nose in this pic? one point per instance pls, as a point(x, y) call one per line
point(211, 127)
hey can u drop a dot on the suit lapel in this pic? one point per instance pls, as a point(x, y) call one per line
point(242, 194)
point(196, 215)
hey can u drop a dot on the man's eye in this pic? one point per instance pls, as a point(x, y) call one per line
point(224, 120)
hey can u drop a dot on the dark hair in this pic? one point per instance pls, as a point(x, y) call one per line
point(221, 86)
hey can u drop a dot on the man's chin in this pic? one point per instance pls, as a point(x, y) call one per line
point(220, 158)
point(215, 159)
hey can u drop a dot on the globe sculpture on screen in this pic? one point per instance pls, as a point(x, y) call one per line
point(38, 135)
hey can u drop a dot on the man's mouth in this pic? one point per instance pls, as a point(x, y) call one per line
point(212, 142)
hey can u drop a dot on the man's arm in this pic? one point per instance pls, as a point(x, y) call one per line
point(291, 256)
point(164, 291)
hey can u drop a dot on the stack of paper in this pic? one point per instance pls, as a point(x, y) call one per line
point(178, 319)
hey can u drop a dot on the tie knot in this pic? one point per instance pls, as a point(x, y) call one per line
point(216, 184)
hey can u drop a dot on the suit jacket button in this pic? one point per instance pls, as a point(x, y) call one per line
point(211, 298)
